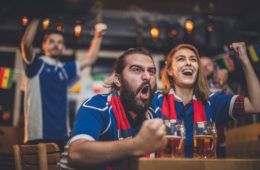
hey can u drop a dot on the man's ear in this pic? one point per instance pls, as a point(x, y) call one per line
point(117, 80)
point(43, 46)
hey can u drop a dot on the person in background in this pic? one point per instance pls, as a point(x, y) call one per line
point(47, 82)
point(217, 80)
point(186, 95)
point(119, 125)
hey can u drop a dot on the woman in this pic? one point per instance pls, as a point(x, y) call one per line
point(186, 94)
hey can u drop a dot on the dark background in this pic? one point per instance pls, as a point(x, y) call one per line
point(232, 20)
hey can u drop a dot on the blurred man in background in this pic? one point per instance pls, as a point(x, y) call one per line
point(47, 82)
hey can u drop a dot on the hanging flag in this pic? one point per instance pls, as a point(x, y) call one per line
point(75, 88)
point(228, 62)
point(254, 51)
point(98, 82)
point(257, 50)
point(6, 77)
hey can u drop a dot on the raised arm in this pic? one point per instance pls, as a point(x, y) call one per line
point(151, 137)
point(27, 40)
point(252, 101)
point(94, 48)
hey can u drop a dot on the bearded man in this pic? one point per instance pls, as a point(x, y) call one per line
point(119, 125)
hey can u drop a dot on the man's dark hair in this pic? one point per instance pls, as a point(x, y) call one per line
point(121, 62)
point(52, 32)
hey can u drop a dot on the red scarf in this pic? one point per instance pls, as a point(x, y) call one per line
point(123, 126)
point(169, 110)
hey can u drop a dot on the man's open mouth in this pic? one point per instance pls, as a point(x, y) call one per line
point(144, 93)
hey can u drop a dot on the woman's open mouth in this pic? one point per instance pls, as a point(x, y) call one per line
point(187, 72)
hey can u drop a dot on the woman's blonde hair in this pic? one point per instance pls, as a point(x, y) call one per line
point(201, 88)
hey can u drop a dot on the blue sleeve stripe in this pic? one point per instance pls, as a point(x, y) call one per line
point(156, 110)
point(40, 70)
point(65, 73)
point(108, 126)
point(150, 115)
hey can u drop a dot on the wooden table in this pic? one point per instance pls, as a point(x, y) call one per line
point(191, 164)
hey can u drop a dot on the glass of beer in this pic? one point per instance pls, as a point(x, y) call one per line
point(205, 140)
point(175, 135)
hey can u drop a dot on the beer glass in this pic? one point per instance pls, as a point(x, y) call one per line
point(175, 135)
point(205, 140)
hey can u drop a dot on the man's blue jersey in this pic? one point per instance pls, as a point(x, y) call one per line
point(95, 120)
point(47, 82)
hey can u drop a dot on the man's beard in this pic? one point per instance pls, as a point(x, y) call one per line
point(57, 55)
point(131, 103)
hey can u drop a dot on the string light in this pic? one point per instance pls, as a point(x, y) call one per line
point(59, 28)
point(154, 32)
point(172, 33)
point(189, 26)
point(210, 23)
point(6, 116)
point(25, 21)
point(210, 28)
point(45, 23)
point(77, 29)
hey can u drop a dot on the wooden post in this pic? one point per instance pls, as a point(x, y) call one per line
point(42, 156)
point(17, 157)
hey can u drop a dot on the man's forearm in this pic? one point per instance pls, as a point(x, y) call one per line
point(150, 138)
point(83, 153)
point(253, 87)
point(27, 40)
point(92, 54)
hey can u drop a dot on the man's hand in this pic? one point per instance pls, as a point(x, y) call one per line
point(240, 50)
point(151, 137)
point(100, 29)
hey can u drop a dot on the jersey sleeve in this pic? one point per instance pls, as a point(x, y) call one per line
point(33, 67)
point(222, 107)
point(91, 119)
point(72, 71)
